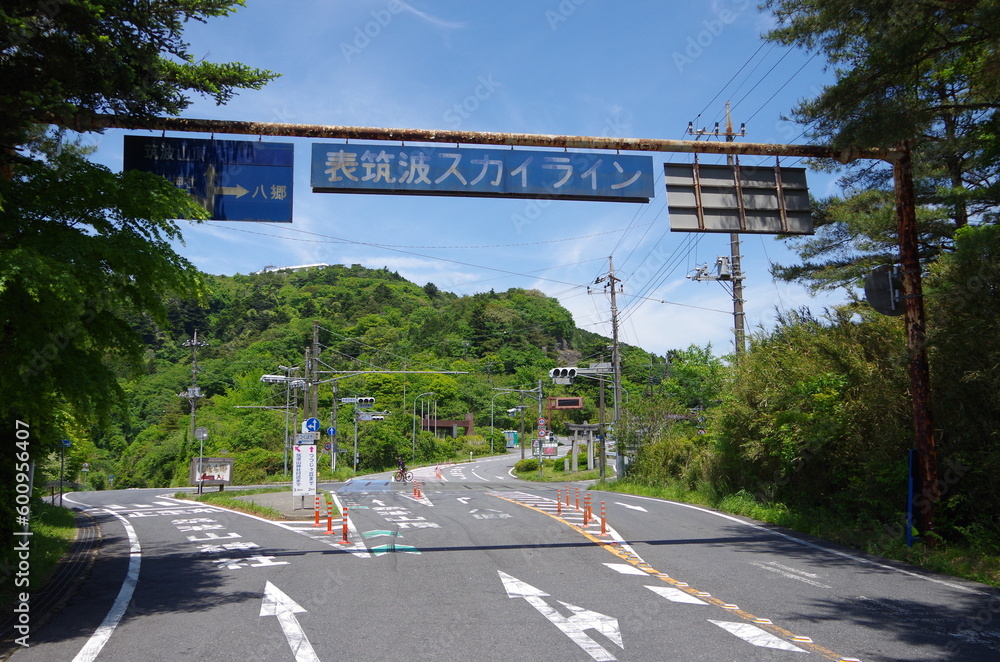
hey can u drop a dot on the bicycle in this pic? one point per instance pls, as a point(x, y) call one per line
point(403, 476)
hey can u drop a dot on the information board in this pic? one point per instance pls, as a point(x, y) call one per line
point(304, 470)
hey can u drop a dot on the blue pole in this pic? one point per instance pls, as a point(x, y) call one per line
point(909, 500)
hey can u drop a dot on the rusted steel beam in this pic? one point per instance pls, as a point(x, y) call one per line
point(100, 122)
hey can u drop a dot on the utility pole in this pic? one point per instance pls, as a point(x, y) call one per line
point(916, 344)
point(312, 405)
point(520, 438)
point(611, 282)
point(193, 393)
point(735, 271)
point(734, 251)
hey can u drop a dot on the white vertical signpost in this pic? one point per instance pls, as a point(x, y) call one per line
point(304, 461)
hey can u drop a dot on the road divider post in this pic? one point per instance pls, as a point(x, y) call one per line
point(344, 540)
point(329, 518)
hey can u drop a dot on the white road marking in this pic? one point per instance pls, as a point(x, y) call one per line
point(805, 543)
point(574, 626)
point(100, 637)
point(277, 603)
point(421, 499)
point(626, 569)
point(791, 573)
point(676, 595)
point(631, 507)
point(756, 636)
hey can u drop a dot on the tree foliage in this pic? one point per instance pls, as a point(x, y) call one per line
point(85, 253)
point(815, 414)
point(65, 58)
point(926, 73)
point(964, 291)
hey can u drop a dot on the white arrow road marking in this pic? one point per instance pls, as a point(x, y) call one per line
point(631, 507)
point(517, 589)
point(465, 500)
point(754, 635)
point(676, 595)
point(277, 603)
point(573, 626)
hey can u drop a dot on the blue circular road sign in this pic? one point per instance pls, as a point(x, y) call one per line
point(312, 425)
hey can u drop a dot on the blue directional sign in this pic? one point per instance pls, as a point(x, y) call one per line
point(331, 431)
point(235, 180)
point(311, 425)
point(483, 171)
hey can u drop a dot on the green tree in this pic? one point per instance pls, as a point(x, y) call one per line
point(85, 252)
point(814, 413)
point(78, 57)
point(964, 305)
point(927, 73)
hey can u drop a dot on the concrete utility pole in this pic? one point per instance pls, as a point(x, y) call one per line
point(312, 408)
point(734, 252)
point(193, 393)
point(611, 283)
point(735, 270)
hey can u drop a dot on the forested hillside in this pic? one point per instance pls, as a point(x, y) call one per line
point(369, 320)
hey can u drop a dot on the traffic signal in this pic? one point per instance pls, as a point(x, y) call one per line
point(366, 402)
point(562, 375)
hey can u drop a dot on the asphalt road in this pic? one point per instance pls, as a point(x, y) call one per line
point(480, 566)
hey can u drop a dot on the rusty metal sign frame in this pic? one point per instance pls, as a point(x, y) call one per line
point(900, 158)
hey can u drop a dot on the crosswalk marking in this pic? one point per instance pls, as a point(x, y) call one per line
point(676, 595)
point(754, 635)
point(626, 569)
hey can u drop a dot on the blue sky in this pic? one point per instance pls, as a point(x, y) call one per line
point(640, 69)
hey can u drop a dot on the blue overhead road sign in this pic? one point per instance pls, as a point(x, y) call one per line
point(481, 171)
point(235, 180)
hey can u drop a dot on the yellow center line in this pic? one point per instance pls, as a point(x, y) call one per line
point(762, 623)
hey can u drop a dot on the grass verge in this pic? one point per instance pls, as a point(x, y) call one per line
point(229, 500)
point(888, 541)
point(550, 475)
